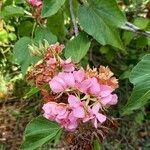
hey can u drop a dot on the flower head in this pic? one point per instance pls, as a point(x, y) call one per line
point(78, 96)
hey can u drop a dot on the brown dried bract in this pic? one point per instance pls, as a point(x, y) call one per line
point(42, 72)
point(91, 72)
point(106, 77)
point(85, 134)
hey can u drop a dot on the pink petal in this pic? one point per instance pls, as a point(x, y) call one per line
point(72, 118)
point(95, 122)
point(68, 78)
point(62, 116)
point(35, 2)
point(105, 90)
point(106, 100)
point(67, 65)
point(60, 80)
point(46, 116)
point(89, 115)
point(79, 75)
point(114, 100)
point(95, 87)
point(57, 84)
point(72, 126)
point(96, 108)
point(61, 109)
point(48, 107)
point(79, 112)
point(85, 85)
point(73, 101)
point(101, 118)
point(87, 118)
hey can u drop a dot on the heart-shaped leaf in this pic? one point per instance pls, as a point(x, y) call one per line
point(77, 48)
point(38, 132)
point(100, 18)
point(140, 77)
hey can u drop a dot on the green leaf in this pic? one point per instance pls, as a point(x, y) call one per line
point(127, 37)
point(43, 33)
point(32, 91)
point(21, 48)
point(108, 52)
point(77, 48)
point(25, 28)
point(22, 54)
point(141, 22)
point(38, 132)
point(140, 77)
point(58, 137)
point(56, 24)
point(96, 145)
point(51, 7)
point(7, 2)
point(142, 42)
point(12, 11)
point(100, 18)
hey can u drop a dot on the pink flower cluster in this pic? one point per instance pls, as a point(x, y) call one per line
point(35, 3)
point(86, 101)
point(68, 115)
point(77, 80)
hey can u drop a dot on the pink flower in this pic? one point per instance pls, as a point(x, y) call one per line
point(62, 112)
point(85, 85)
point(62, 81)
point(96, 116)
point(72, 123)
point(106, 96)
point(90, 86)
point(76, 106)
point(57, 84)
point(95, 87)
point(67, 65)
point(50, 110)
point(105, 90)
point(35, 3)
point(67, 116)
point(79, 75)
point(111, 99)
point(68, 78)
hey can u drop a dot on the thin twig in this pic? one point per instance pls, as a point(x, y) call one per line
point(73, 18)
point(131, 27)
